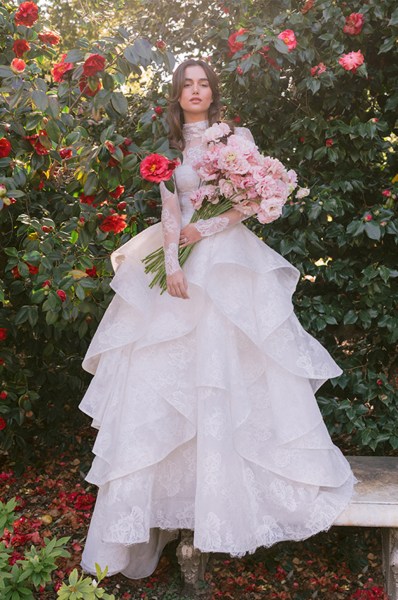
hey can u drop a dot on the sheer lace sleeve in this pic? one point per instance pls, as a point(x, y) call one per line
point(245, 132)
point(171, 226)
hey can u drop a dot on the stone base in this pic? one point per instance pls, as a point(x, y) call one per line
point(193, 565)
point(390, 561)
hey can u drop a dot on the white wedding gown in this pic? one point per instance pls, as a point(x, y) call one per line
point(205, 407)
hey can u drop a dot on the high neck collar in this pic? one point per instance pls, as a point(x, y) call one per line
point(194, 130)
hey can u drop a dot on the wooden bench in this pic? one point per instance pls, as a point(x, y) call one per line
point(375, 504)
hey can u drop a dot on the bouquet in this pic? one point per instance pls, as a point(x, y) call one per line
point(234, 174)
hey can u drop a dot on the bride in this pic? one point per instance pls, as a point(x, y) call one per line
point(203, 397)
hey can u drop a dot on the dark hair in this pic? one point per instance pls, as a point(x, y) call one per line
point(175, 114)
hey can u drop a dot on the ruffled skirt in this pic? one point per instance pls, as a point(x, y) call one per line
point(205, 409)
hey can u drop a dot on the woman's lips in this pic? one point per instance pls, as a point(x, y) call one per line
point(195, 100)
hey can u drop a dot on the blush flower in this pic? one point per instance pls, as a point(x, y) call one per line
point(289, 38)
point(216, 132)
point(351, 61)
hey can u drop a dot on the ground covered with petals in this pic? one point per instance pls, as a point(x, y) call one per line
point(54, 500)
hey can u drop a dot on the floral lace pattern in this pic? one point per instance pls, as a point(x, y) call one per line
point(205, 408)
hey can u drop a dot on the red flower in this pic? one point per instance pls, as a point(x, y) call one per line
point(46, 229)
point(234, 45)
point(386, 193)
point(49, 37)
point(114, 223)
point(59, 69)
point(161, 45)
point(2, 362)
point(3, 424)
point(111, 147)
point(46, 283)
point(3, 395)
point(93, 64)
point(351, 61)
point(5, 147)
point(158, 110)
point(27, 14)
point(20, 47)
point(329, 142)
point(92, 272)
point(61, 294)
point(18, 65)
point(3, 333)
point(87, 199)
point(32, 269)
point(368, 217)
point(354, 23)
point(307, 6)
point(36, 140)
point(237, 119)
point(379, 382)
point(239, 70)
point(289, 38)
point(318, 69)
point(15, 273)
point(157, 168)
point(117, 192)
point(65, 153)
point(89, 86)
point(121, 205)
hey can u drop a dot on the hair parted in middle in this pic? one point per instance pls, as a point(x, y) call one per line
point(175, 114)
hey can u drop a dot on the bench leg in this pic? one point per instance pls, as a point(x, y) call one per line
point(390, 561)
point(192, 562)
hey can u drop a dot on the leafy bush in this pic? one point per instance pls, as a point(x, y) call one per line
point(74, 128)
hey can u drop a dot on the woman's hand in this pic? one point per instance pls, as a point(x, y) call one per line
point(189, 235)
point(177, 284)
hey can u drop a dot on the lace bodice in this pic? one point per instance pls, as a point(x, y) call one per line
point(177, 208)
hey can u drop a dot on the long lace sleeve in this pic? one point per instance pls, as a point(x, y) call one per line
point(171, 226)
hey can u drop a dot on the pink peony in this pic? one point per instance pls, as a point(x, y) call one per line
point(216, 132)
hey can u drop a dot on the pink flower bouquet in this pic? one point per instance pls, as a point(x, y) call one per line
point(234, 174)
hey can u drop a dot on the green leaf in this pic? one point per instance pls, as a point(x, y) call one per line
point(40, 99)
point(119, 103)
point(372, 230)
point(90, 187)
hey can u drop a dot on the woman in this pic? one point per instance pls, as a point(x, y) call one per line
point(204, 397)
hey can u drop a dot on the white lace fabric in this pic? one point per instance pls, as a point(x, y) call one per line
point(205, 409)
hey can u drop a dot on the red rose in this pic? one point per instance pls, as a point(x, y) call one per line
point(379, 382)
point(329, 142)
point(3, 395)
point(368, 217)
point(5, 147)
point(20, 47)
point(65, 153)
point(234, 45)
point(157, 168)
point(46, 283)
point(93, 64)
point(354, 23)
point(92, 272)
point(114, 223)
point(49, 37)
point(18, 65)
point(239, 70)
point(46, 229)
point(61, 294)
point(3, 424)
point(2, 362)
point(37, 140)
point(15, 273)
point(87, 199)
point(59, 69)
point(89, 86)
point(121, 205)
point(27, 14)
point(117, 192)
point(3, 334)
point(158, 110)
point(307, 6)
point(32, 269)
point(237, 119)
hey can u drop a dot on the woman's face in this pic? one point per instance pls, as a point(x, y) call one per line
point(196, 95)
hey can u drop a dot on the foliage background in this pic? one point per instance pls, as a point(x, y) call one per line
point(337, 129)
